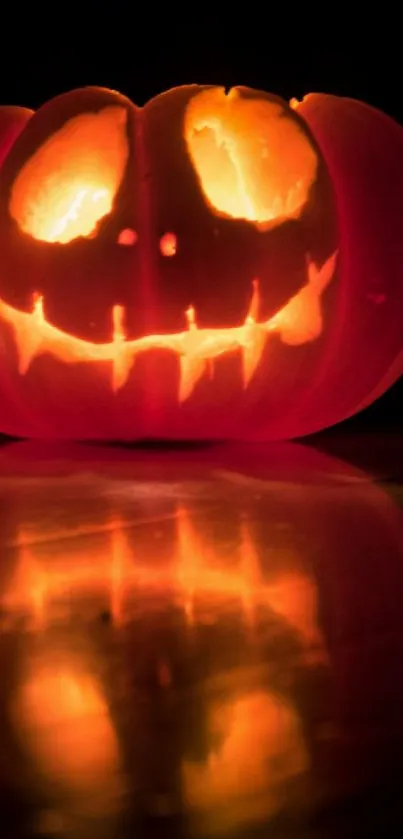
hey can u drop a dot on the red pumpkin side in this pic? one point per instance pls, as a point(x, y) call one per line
point(363, 149)
point(12, 121)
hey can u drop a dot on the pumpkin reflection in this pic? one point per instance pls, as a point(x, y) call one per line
point(244, 779)
point(211, 641)
point(199, 574)
point(64, 723)
point(228, 755)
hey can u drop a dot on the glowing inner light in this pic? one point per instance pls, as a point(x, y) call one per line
point(71, 181)
point(47, 576)
point(244, 778)
point(252, 159)
point(66, 727)
point(127, 237)
point(298, 322)
point(168, 244)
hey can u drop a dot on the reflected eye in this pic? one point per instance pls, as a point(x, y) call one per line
point(252, 159)
point(168, 244)
point(71, 181)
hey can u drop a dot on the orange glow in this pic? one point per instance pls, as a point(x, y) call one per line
point(168, 244)
point(298, 322)
point(71, 181)
point(65, 725)
point(255, 739)
point(252, 159)
point(245, 779)
point(198, 568)
point(127, 237)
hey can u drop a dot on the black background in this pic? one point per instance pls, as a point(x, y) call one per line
point(48, 49)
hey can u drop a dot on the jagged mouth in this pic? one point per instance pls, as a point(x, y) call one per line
point(298, 322)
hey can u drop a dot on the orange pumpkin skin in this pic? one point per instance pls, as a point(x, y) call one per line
point(177, 314)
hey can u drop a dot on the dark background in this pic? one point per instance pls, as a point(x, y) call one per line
point(141, 51)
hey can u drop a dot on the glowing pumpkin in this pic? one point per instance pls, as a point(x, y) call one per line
point(173, 271)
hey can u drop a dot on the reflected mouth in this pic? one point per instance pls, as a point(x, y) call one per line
point(298, 322)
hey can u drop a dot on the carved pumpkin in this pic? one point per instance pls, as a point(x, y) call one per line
point(172, 271)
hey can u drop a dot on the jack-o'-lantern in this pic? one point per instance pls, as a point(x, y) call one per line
point(214, 265)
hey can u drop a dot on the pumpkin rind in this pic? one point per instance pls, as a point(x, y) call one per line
point(177, 313)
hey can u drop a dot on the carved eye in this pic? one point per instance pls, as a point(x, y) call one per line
point(253, 161)
point(71, 181)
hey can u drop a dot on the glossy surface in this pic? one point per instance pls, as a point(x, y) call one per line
point(199, 643)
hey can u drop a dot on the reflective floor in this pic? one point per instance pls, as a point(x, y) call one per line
point(201, 642)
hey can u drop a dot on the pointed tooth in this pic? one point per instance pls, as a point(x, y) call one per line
point(319, 278)
point(28, 341)
point(301, 319)
point(254, 305)
point(118, 316)
point(121, 367)
point(122, 361)
point(252, 353)
point(192, 369)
